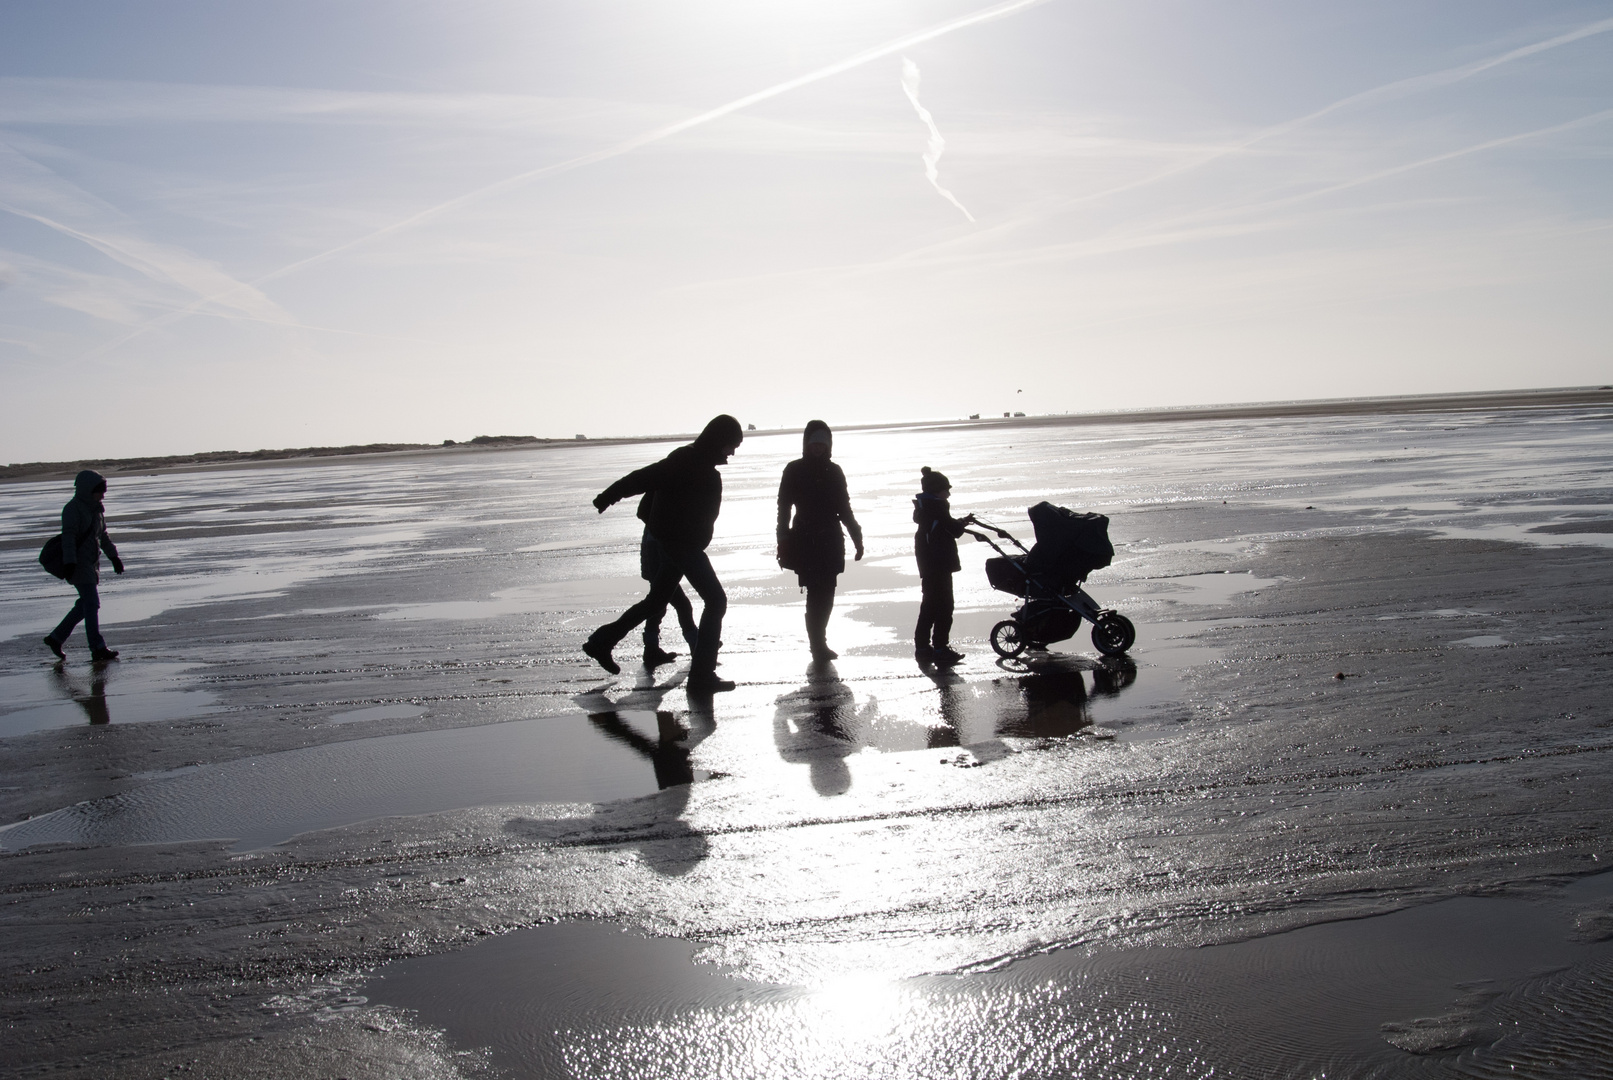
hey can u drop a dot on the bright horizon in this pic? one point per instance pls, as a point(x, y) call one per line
point(297, 224)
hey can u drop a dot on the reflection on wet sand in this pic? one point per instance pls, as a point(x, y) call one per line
point(676, 848)
point(822, 725)
point(91, 698)
point(819, 725)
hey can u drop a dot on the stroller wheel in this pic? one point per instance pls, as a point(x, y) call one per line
point(1113, 633)
point(1006, 639)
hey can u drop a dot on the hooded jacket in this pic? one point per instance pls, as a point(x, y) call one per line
point(84, 530)
point(685, 488)
point(816, 488)
point(935, 543)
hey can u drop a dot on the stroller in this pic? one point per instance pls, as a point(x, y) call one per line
point(1049, 575)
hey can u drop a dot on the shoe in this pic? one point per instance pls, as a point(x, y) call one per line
point(944, 655)
point(822, 653)
point(707, 684)
point(601, 653)
point(654, 658)
point(101, 656)
point(56, 648)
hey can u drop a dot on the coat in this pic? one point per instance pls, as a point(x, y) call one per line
point(813, 544)
point(686, 497)
point(84, 531)
point(935, 543)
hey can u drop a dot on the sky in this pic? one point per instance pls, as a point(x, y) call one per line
point(237, 226)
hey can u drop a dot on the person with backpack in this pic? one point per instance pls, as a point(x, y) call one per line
point(935, 545)
point(84, 537)
point(687, 497)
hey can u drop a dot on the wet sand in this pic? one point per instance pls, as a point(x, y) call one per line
point(1056, 868)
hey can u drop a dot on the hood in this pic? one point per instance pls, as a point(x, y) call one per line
point(87, 483)
point(723, 431)
point(819, 428)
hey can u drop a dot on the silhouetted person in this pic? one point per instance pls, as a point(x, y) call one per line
point(687, 497)
point(813, 545)
point(935, 544)
point(83, 539)
point(649, 565)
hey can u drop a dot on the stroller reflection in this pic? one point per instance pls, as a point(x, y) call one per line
point(1046, 696)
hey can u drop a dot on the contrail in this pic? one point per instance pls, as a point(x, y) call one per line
point(1386, 92)
point(937, 145)
point(918, 37)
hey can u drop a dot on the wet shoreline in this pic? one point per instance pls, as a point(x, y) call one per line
point(819, 825)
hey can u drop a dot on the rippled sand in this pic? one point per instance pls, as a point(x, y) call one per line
point(855, 869)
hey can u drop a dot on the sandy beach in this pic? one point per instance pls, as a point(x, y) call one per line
point(353, 803)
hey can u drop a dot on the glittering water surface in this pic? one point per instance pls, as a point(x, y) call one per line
point(879, 869)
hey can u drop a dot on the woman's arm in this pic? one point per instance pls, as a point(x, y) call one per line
point(786, 499)
point(846, 516)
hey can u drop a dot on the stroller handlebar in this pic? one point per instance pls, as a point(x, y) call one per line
point(1003, 533)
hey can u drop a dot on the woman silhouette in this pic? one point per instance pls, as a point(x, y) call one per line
point(813, 545)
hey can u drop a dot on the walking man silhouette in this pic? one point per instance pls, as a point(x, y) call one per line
point(686, 497)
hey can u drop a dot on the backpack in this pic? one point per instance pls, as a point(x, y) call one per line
point(50, 557)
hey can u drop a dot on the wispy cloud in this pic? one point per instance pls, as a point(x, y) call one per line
point(907, 41)
point(33, 192)
point(1391, 91)
point(936, 145)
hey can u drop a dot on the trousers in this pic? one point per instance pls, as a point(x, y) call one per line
point(935, 612)
point(88, 609)
point(676, 565)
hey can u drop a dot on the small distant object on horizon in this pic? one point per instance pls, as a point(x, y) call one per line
point(582, 438)
point(1019, 414)
point(750, 427)
point(1008, 414)
point(974, 416)
point(449, 442)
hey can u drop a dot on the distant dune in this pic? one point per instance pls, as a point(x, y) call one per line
point(1507, 399)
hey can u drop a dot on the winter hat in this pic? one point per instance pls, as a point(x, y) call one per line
point(817, 432)
point(932, 482)
point(723, 432)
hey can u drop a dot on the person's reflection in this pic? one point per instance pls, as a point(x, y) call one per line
point(675, 847)
point(668, 754)
point(91, 699)
point(819, 725)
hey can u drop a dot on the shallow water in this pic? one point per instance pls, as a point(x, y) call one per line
point(261, 801)
point(1473, 986)
point(1323, 716)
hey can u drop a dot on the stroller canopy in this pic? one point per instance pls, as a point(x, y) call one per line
point(1069, 546)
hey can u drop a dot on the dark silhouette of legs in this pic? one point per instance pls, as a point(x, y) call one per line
point(820, 601)
point(685, 612)
point(935, 613)
point(679, 602)
point(675, 566)
point(87, 609)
